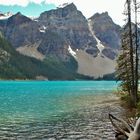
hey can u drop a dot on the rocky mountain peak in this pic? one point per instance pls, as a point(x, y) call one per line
point(102, 18)
point(70, 6)
point(97, 15)
point(106, 30)
point(61, 12)
point(71, 25)
point(102, 14)
point(5, 16)
point(18, 14)
point(17, 19)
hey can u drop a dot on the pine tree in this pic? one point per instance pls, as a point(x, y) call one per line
point(127, 69)
point(123, 70)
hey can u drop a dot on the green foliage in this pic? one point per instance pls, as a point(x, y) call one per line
point(59, 69)
point(127, 103)
point(22, 67)
point(19, 66)
point(123, 70)
point(126, 99)
point(109, 76)
point(127, 69)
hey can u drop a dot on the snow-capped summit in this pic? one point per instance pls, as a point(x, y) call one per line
point(6, 15)
point(63, 5)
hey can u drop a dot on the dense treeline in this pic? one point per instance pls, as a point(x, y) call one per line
point(16, 66)
point(128, 60)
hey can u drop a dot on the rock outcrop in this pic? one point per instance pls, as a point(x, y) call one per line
point(107, 32)
point(21, 30)
point(71, 26)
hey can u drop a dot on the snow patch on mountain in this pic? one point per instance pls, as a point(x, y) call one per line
point(43, 29)
point(4, 16)
point(99, 45)
point(73, 53)
point(63, 5)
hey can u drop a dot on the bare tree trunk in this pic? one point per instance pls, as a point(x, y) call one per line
point(133, 94)
point(136, 51)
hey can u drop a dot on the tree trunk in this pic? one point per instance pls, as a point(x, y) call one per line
point(136, 45)
point(133, 94)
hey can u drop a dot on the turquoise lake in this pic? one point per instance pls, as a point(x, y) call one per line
point(23, 102)
point(40, 99)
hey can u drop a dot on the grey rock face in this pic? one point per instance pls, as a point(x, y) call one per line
point(54, 31)
point(107, 32)
point(53, 44)
point(21, 31)
point(110, 53)
point(17, 19)
point(92, 51)
point(70, 24)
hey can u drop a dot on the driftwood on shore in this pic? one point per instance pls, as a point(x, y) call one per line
point(126, 130)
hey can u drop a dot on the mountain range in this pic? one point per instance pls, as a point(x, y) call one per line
point(61, 44)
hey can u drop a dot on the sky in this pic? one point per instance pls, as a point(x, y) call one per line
point(87, 7)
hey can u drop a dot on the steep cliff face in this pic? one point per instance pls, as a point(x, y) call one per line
point(71, 25)
point(52, 33)
point(55, 45)
point(107, 32)
point(21, 30)
point(107, 36)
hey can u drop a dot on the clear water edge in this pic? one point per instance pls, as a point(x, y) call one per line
point(57, 110)
point(41, 100)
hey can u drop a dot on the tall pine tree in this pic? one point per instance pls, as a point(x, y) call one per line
point(127, 68)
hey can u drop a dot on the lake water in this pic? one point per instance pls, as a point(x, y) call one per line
point(38, 109)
